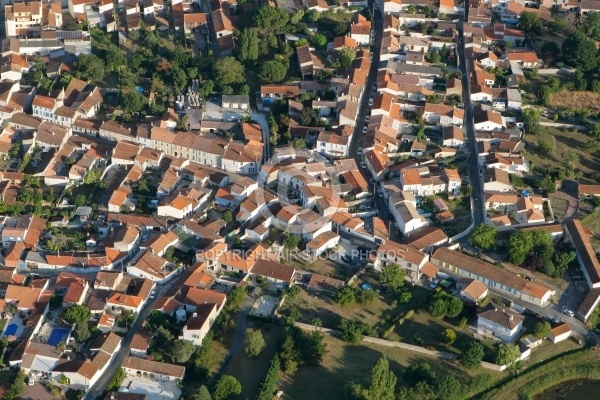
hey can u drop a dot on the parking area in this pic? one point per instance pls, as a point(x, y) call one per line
point(214, 112)
point(154, 390)
point(37, 391)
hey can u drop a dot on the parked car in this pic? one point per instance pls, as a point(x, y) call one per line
point(365, 129)
point(363, 165)
point(552, 319)
point(152, 294)
point(364, 206)
point(367, 118)
point(30, 380)
point(434, 284)
point(359, 151)
point(569, 312)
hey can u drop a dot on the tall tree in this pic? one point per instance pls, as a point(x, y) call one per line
point(580, 51)
point(271, 20)
point(254, 343)
point(90, 67)
point(383, 382)
point(225, 387)
point(346, 56)
point(473, 355)
point(392, 276)
point(249, 45)
point(228, 71)
point(484, 236)
point(507, 354)
point(272, 72)
point(531, 23)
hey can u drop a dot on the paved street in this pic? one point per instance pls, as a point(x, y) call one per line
point(358, 138)
point(477, 199)
point(95, 392)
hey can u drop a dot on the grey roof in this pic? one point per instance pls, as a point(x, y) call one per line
point(418, 69)
point(236, 98)
point(36, 257)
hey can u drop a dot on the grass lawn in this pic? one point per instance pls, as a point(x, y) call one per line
point(560, 205)
point(424, 330)
point(251, 371)
point(345, 363)
point(461, 208)
point(379, 314)
point(548, 350)
point(330, 268)
point(564, 142)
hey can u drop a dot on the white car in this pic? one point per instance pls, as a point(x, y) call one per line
point(365, 129)
point(569, 312)
point(359, 151)
point(152, 294)
point(371, 102)
point(30, 380)
point(367, 118)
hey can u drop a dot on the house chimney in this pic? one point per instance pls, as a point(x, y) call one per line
point(194, 315)
point(511, 318)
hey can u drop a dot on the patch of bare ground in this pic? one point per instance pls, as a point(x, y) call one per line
point(590, 100)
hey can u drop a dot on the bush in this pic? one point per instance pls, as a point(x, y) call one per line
point(448, 336)
point(254, 343)
point(462, 323)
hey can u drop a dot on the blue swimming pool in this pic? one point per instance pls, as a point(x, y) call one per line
point(11, 330)
point(58, 335)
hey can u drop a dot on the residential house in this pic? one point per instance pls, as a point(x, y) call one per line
point(319, 283)
point(472, 290)
point(154, 370)
point(406, 257)
point(198, 325)
point(586, 255)
point(503, 324)
point(495, 278)
point(151, 266)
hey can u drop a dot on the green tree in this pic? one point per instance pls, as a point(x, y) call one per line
point(365, 297)
point(405, 297)
point(202, 394)
point(562, 261)
point(318, 40)
point(434, 57)
point(313, 347)
point(352, 330)
point(531, 23)
point(473, 355)
point(420, 372)
point(392, 276)
point(272, 71)
point(271, 20)
point(90, 67)
point(79, 200)
point(453, 307)
point(181, 350)
point(531, 121)
point(249, 45)
point(484, 236)
point(225, 387)
point(81, 333)
point(267, 387)
point(580, 51)
point(17, 387)
point(557, 25)
point(437, 308)
point(227, 216)
point(273, 131)
point(448, 387)
point(235, 299)
point(77, 314)
point(507, 354)
point(519, 246)
point(229, 71)
point(592, 24)
point(542, 330)
point(254, 343)
point(299, 143)
point(448, 336)
point(345, 297)
point(383, 382)
point(134, 102)
point(346, 56)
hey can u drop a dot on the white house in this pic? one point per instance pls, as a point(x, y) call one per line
point(198, 325)
point(560, 333)
point(407, 257)
point(500, 323)
point(154, 370)
point(324, 241)
point(178, 207)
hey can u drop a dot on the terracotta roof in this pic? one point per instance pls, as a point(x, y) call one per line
point(81, 367)
point(584, 249)
point(107, 342)
point(161, 241)
point(561, 329)
point(200, 316)
point(491, 272)
point(160, 368)
point(152, 264)
point(475, 289)
point(427, 236)
point(589, 189)
point(141, 340)
point(120, 299)
point(197, 296)
point(24, 297)
point(411, 254)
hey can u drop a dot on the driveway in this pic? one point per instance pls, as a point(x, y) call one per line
point(568, 193)
point(240, 334)
point(264, 125)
